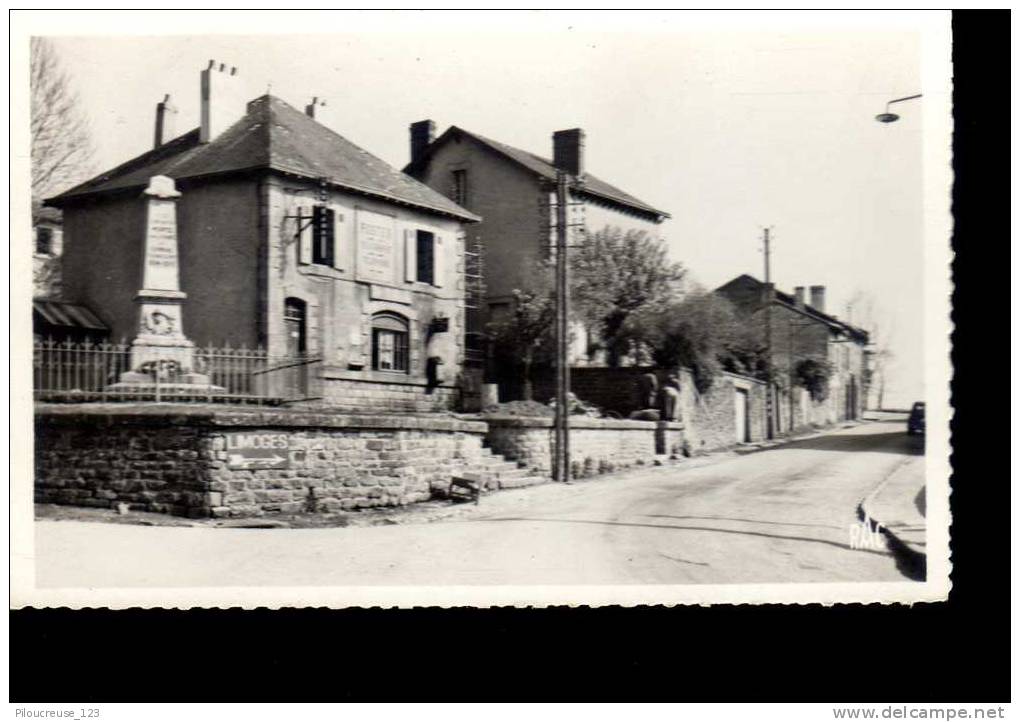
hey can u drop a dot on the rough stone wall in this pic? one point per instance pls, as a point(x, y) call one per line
point(97, 464)
point(174, 459)
point(352, 395)
point(597, 446)
point(710, 418)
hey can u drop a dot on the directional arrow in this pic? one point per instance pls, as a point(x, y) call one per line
point(254, 459)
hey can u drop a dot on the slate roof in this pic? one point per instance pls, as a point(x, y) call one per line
point(789, 300)
point(271, 136)
point(592, 185)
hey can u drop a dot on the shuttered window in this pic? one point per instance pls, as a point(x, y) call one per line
point(323, 230)
point(425, 251)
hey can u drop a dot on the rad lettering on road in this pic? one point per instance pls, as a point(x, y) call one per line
point(866, 534)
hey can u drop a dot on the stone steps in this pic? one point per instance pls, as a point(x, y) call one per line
point(493, 472)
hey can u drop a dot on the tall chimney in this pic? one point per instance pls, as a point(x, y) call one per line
point(166, 121)
point(568, 151)
point(818, 298)
point(798, 295)
point(310, 108)
point(422, 134)
point(223, 102)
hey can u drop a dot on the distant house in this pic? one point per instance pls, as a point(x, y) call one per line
point(290, 237)
point(514, 192)
point(802, 332)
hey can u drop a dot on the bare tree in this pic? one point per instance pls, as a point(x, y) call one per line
point(61, 139)
point(864, 312)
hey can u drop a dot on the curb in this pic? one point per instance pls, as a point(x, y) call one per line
point(912, 563)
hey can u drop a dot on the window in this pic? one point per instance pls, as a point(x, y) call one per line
point(426, 257)
point(44, 240)
point(460, 187)
point(390, 348)
point(323, 224)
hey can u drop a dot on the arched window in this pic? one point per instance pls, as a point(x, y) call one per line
point(295, 326)
point(390, 343)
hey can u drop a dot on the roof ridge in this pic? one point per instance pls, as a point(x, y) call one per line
point(610, 192)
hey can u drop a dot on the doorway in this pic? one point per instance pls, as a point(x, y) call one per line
point(741, 415)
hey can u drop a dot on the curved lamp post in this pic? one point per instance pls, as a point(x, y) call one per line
point(888, 117)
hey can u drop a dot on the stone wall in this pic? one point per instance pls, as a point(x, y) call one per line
point(710, 418)
point(178, 459)
point(345, 394)
point(597, 446)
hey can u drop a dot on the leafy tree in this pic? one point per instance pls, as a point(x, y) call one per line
point(61, 140)
point(526, 333)
point(701, 331)
point(615, 275)
point(813, 374)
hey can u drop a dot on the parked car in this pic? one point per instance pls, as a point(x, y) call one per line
point(915, 422)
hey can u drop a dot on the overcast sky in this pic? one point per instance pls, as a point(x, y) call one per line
point(729, 125)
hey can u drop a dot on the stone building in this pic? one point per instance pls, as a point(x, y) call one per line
point(514, 191)
point(803, 332)
point(290, 237)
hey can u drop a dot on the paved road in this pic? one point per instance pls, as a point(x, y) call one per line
point(781, 515)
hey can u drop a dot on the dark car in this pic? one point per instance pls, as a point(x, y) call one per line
point(915, 423)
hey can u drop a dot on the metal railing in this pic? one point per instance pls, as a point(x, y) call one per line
point(65, 371)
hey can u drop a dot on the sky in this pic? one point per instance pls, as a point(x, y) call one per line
point(730, 123)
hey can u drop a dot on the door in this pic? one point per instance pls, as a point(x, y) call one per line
point(291, 372)
point(740, 415)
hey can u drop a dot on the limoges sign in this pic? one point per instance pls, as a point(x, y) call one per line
point(258, 451)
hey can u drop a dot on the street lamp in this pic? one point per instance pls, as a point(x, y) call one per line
point(888, 117)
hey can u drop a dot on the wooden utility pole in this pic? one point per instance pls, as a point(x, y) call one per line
point(769, 296)
point(561, 465)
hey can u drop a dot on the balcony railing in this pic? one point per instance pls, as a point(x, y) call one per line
point(77, 372)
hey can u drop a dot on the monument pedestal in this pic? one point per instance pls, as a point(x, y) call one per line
point(162, 357)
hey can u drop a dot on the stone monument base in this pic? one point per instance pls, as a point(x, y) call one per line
point(148, 387)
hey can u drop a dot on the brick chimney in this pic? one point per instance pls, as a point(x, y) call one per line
point(818, 298)
point(422, 134)
point(223, 102)
point(568, 150)
point(310, 108)
point(166, 122)
point(798, 296)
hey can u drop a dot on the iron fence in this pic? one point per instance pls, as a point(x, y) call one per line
point(84, 371)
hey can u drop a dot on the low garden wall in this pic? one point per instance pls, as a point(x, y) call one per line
point(597, 446)
point(203, 461)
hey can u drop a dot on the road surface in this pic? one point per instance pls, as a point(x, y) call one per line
point(780, 515)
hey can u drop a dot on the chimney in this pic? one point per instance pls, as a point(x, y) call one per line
point(568, 151)
point(818, 298)
point(310, 108)
point(166, 122)
point(223, 102)
point(422, 134)
point(798, 296)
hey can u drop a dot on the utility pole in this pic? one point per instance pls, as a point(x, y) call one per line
point(769, 415)
point(561, 465)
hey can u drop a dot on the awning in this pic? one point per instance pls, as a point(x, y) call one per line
point(67, 315)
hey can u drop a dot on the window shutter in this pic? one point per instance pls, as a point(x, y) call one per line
point(410, 255)
point(338, 218)
point(439, 262)
point(304, 240)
